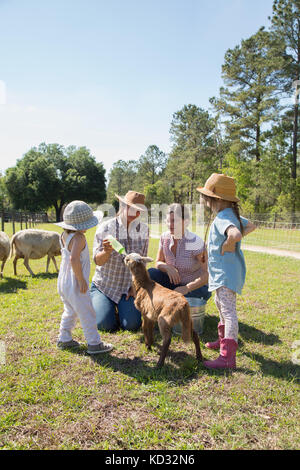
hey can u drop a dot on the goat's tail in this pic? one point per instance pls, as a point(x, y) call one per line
point(12, 246)
point(187, 324)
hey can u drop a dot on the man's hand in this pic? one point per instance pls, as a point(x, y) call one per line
point(107, 248)
point(131, 293)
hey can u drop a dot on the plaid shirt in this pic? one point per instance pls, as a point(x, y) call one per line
point(185, 261)
point(114, 278)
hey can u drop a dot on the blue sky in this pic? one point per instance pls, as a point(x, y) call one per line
point(109, 74)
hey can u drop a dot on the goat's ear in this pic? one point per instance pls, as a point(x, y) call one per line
point(147, 259)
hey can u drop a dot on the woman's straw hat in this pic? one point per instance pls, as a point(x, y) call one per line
point(132, 198)
point(78, 215)
point(220, 187)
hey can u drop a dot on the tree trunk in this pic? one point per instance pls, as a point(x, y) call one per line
point(257, 155)
point(58, 209)
point(294, 157)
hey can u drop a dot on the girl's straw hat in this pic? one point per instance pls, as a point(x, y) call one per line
point(78, 215)
point(132, 198)
point(220, 187)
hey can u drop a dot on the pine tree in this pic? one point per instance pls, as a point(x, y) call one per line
point(286, 27)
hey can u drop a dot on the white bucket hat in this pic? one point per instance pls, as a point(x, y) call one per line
point(78, 215)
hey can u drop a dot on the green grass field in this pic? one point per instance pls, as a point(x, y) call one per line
point(270, 238)
point(52, 399)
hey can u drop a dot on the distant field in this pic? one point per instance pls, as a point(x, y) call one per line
point(52, 399)
point(271, 238)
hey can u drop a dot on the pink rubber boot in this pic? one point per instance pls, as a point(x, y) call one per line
point(226, 360)
point(216, 344)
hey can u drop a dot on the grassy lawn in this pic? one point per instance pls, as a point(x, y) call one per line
point(278, 238)
point(271, 238)
point(52, 399)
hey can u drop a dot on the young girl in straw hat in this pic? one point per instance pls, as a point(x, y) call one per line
point(226, 264)
point(73, 279)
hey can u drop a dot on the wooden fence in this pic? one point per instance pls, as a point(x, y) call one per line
point(25, 219)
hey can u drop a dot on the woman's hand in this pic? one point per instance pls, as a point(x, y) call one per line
point(173, 274)
point(203, 257)
point(182, 289)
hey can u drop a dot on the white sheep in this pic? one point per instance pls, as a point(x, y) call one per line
point(4, 250)
point(35, 244)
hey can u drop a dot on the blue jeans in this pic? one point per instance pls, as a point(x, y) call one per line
point(163, 279)
point(105, 308)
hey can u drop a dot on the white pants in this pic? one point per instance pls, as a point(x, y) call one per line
point(79, 306)
point(225, 300)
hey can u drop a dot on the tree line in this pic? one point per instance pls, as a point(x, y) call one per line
point(250, 132)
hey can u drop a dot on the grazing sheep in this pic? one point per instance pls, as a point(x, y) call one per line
point(35, 244)
point(156, 303)
point(4, 250)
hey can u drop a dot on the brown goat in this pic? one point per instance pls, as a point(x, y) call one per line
point(159, 304)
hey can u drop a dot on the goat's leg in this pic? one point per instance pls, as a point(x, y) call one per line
point(195, 338)
point(26, 264)
point(148, 332)
point(166, 333)
point(164, 350)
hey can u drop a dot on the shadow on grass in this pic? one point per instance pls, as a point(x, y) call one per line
point(281, 370)
point(9, 285)
point(284, 370)
point(139, 369)
point(184, 367)
point(246, 332)
point(46, 275)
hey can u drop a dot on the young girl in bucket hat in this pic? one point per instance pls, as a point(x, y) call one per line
point(73, 279)
point(226, 264)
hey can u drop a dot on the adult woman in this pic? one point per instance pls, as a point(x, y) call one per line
point(181, 262)
point(111, 286)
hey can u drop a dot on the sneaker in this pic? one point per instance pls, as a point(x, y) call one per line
point(68, 344)
point(99, 348)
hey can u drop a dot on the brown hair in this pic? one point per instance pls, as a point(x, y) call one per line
point(234, 206)
point(236, 209)
point(179, 210)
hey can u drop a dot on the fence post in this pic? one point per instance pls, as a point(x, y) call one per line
point(26, 226)
point(2, 219)
point(21, 220)
point(274, 223)
point(13, 222)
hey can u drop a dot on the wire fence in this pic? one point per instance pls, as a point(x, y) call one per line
point(276, 231)
point(20, 220)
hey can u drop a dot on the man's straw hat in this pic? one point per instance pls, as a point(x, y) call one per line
point(132, 198)
point(221, 187)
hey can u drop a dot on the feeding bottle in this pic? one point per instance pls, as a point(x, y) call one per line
point(117, 246)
